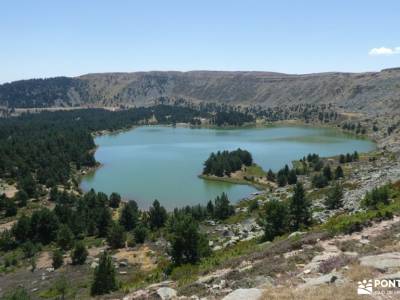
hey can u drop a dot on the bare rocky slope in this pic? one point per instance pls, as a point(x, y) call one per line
point(367, 92)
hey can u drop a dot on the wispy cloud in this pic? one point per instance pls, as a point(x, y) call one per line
point(384, 51)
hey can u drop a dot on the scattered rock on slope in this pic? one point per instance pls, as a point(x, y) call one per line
point(241, 294)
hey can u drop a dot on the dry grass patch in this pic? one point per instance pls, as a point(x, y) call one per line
point(44, 260)
point(357, 272)
point(324, 292)
point(142, 257)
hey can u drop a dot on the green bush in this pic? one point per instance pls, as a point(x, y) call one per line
point(274, 219)
point(188, 245)
point(17, 294)
point(116, 236)
point(378, 196)
point(104, 277)
point(79, 254)
point(140, 233)
point(334, 199)
point(58, 259)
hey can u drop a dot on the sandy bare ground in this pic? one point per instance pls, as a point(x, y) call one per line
point(7, 226)
point(352, 115)
point(9, 190)
point(44, 260)
point(142, 257)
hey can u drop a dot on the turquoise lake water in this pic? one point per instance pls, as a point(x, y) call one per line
point(160, 162)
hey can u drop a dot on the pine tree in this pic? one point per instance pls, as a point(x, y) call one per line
point(327, 172)
point(334, 199)
point(188, 245)
point(58, 259)
point(10, 207)
point(376, 197)
point(29, 249)
point(7, 241)
point(157, 215)
point(54, 194)
point(65, 237)
point(299, 208)
point(274, 219)
point(104, 277)
point(115, 200)
point(21, 229)
point(116, 236)
point(319, 181)
point(355, 156)
point(22, 198)
point(222, 207)
point(79, 254)
point(104, 222)
point(270, 175)
point(292, 177)
point(339, 172)
point(44, 226)
point(210, 208)
point(129, 216)
point(140, 233)
point(281, 178)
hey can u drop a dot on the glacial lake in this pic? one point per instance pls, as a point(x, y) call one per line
point(161, 162)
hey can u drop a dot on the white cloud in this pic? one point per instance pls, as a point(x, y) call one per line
point(384, 51)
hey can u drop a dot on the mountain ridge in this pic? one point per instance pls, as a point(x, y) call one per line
point(368, 92)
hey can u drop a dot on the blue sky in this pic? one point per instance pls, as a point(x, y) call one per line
point(51, 38)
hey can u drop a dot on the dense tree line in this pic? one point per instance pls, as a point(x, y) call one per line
point(76, 217)
point(323, 113)
point(348, 157)
point(378, 196)
point(310, 164)
point(233, 118)
point(356, 128)
point(284, 176)
point(41, 92)
point(226, 162)
point(43, 148)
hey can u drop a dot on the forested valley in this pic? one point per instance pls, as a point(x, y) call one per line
point(44, 148)
point(43, 154)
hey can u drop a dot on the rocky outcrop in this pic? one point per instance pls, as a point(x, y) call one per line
point(323, 279)
point(241, 294)
point(167, 293)
point(382, 261)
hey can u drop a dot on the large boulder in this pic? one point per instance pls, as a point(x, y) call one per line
point(138, 295)
point(241, 294)
point(324, 279)
point(167, 293)
point(382, 261)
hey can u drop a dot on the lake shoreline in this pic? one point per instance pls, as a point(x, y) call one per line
point(235, 181)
